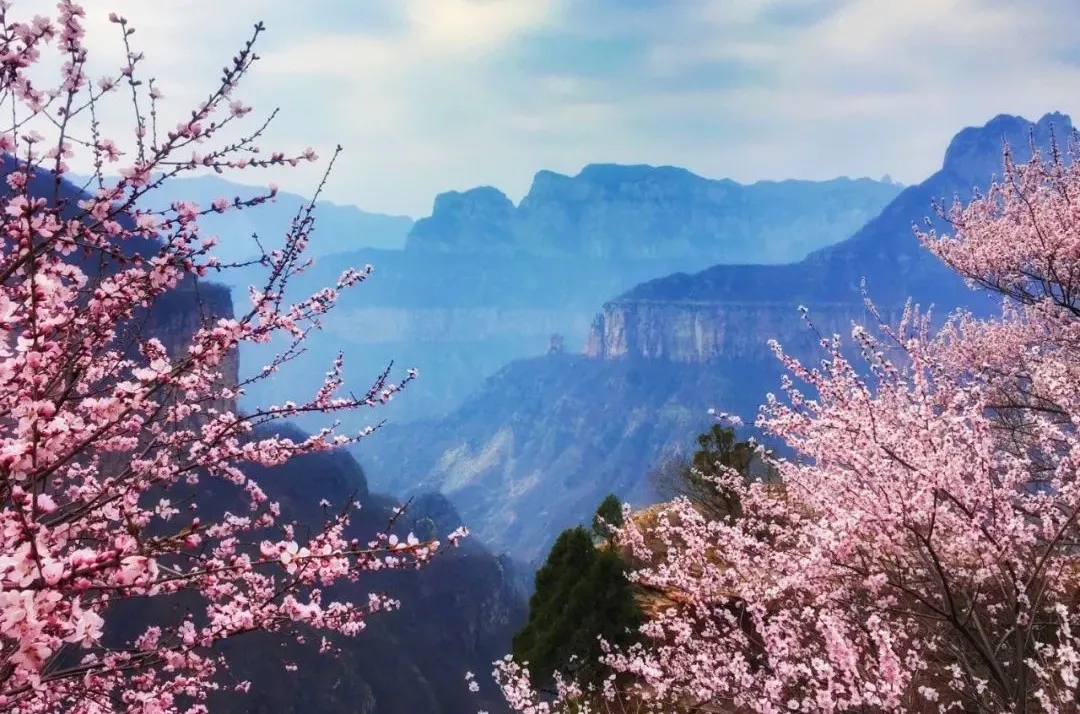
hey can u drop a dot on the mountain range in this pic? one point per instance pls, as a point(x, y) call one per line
point(638, 212)
point(482, 282)
point(537, 447)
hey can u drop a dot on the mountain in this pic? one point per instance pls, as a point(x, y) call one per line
point(884, 250)
point(340, 228)
point(619, 212)
point(544, 440)
point(541, 443)
point(483, 282)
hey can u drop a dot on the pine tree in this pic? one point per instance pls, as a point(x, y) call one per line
point(608, 516)
point(582, 595)
point(694, 479)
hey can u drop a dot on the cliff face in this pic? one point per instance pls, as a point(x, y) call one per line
point(544, 440)
point(610, 211)
point(732, 310)
point(709, 331)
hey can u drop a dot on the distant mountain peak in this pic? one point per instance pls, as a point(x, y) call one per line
point(479, 195)
point(976, 151)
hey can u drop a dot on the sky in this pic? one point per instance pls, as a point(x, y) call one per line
point(428, 96)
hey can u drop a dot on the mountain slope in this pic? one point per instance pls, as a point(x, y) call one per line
point(544, 440)
point(544, 437)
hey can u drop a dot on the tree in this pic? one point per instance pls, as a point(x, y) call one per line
point(922, 554)
point(581, 596)
point(608, 517)
point(696, 479)
point(104, 427)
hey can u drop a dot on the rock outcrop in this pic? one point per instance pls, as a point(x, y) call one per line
point(685, 331)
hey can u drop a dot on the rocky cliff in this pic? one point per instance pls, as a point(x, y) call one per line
point(687, 331)
point(732, 310)
point(610, 211)
point(536, 448)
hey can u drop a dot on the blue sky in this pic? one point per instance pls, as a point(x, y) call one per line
point(432, 95)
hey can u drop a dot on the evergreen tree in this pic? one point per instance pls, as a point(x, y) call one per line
point(582, 595)
point(695, 478)
point(608, 516)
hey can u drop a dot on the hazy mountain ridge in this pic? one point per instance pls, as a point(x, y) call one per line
point(663, 353)
point(340, 227)
point(458, 311)
point(638, 212)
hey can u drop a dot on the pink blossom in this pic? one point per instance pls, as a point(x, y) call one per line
point(919, 551)
point(99, 431)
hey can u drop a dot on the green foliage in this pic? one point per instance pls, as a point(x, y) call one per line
point(607, 517)
point(582, 595)
point(695, 479)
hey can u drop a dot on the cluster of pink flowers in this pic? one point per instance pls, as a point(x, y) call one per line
point(920, 553)
point(101, 426)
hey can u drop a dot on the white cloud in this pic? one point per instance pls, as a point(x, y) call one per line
point(432, 95)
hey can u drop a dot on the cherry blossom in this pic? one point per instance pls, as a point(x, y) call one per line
point(920, 550)
point(104, 429)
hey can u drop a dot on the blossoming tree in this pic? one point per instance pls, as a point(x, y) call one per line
point(101, 425)
point(923, 551)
